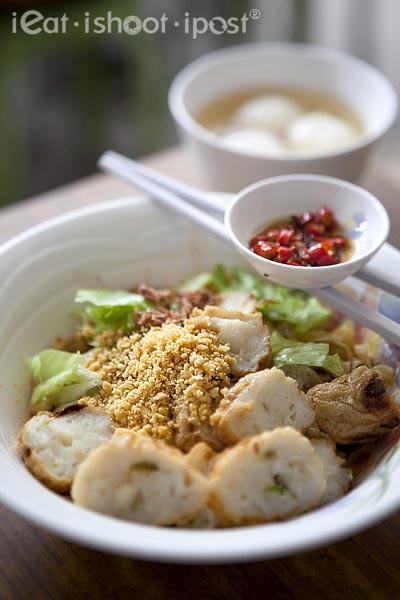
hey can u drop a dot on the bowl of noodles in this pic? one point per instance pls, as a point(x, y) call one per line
point(189, 456)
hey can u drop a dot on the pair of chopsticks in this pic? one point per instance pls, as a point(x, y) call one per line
point(187, 200)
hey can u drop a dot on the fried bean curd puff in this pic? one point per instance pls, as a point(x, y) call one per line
point(354, 408)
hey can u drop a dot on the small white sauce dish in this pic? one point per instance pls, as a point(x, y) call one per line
point(359, 214)
point(246, 67)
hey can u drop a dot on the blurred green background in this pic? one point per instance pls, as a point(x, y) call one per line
point(67, 97)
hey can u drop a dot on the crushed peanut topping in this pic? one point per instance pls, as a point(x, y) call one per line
point(171, 370)
point(108, 338)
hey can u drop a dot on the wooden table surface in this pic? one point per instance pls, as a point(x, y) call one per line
point(35, 564)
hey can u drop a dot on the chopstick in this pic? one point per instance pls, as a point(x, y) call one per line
point(112, 163)
point(215, 202)
point(120, 166)
point(361, 313)
point(379, 272)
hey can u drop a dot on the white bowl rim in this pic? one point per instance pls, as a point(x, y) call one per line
point(373, 200)
point(123, 538)
point(200, 65)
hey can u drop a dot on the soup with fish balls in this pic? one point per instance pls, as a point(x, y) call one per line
point(282, 121)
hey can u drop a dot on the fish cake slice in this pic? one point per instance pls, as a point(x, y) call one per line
point(271, 476)
point(259, 402)
point(139, 478)
point(52, 446)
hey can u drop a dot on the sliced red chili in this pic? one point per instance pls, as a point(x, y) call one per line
point(306, 217)
point(284, 254)
point(327, 218)
point(321, 256)
point(285, 236)
point(333, 242)
point(265, 249)
point(309, 240)
point(273, 234)
point(258, 238)
point(314, 228)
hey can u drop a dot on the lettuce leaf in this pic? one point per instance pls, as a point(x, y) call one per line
point(111, 308)
point(302, 311)
point(239, 279)
point(289, 352)
point(278, 304)
point(59, 378)
point(197, 282)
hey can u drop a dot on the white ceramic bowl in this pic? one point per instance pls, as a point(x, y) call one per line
point(118, 244)
point(361, 216)
point(243, 67)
